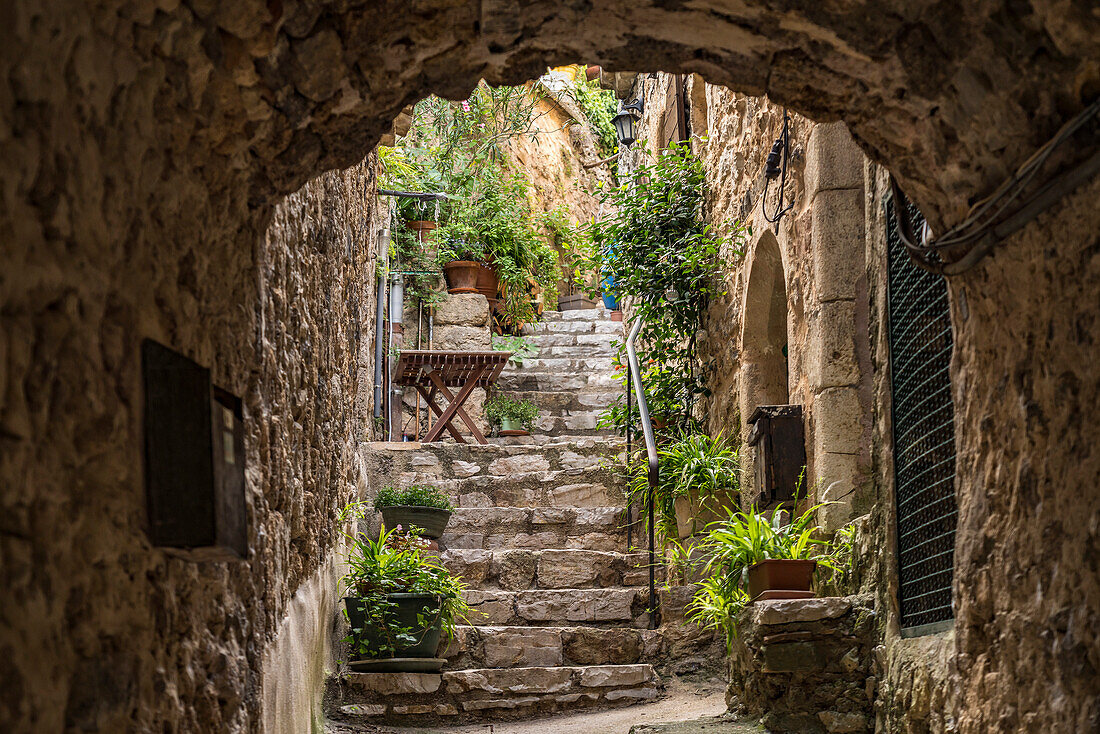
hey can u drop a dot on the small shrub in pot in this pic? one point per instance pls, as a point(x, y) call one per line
point(421, 506)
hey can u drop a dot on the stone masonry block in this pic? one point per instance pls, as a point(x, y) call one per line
point(793, 657)
point(833, 161)
point(605, 676)
point(837, 243)
point(467, 309)
point(832, 360)
point(787, 611)
point(838, 421)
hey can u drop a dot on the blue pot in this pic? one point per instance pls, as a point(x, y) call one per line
point(610, 301)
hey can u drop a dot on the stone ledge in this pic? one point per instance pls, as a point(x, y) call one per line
point(788, 611)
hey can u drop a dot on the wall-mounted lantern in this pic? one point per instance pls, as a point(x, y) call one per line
point(626, 122)
point(194, 459)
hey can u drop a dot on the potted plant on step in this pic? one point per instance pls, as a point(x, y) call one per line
point(756, 557)
point(705, 473)
point(401, 604)
point(419, 506)
point(512, 417)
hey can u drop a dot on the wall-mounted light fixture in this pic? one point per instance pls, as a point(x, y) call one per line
point(626, 122)
point(776, 167)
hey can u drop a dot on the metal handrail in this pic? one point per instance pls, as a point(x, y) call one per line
point(635, 376)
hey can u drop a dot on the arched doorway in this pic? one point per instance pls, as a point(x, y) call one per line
point(764, 330)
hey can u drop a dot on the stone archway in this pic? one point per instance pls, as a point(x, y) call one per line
point(764, 337)
point(144, 148)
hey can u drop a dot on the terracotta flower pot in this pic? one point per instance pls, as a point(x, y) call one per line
point(487, 281)
point(422, 227)
point(592, 72)
point(462, 276)
point(781, 578)
point(575, 302)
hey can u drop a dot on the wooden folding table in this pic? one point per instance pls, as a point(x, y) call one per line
point(434, 372)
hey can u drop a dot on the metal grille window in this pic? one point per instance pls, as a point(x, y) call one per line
point(924, 433)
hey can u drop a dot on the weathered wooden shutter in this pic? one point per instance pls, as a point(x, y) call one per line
point(673, 128)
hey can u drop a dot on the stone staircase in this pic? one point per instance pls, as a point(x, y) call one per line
point(572, 379)
point(561, 601)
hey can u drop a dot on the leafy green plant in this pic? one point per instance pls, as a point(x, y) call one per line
point(599, 106)
point(691, 462)
point(520, 346)
point(666, 262)
point(571, 243)
point(501, 407)
point(418, 495)
point(745, 539)
point(395, 562)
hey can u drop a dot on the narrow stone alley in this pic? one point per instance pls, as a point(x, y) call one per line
point(560, 621)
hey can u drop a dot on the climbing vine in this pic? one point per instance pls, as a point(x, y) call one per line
point(666, 261)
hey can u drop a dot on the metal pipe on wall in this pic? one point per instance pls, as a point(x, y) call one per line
point(397, 328)
point(379, 317)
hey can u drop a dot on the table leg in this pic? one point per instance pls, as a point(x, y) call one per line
point(430, 398)
point(456, 402)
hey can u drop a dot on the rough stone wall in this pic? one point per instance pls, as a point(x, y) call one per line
point(1022, 653)
point(804, 665)
point(101, 631)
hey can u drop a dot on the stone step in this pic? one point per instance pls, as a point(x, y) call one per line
point(564, 365)
point(539, 440)
point(594, 486)
point(572, 401)
point(576, 351)
point(614, 607)
point(521, 647)
point(401, 464)
point(587, 528)
point(579, 314)
point(484, 694)
point(548, 568)
point(575, 327)
point(540, 380)
point(601, 340)
point(580, 423)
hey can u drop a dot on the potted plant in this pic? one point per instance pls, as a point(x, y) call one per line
point(511, 416)
point(705, 473)
point(419, 506)
point(461, 264)
point(753, 557)
point(400, 603)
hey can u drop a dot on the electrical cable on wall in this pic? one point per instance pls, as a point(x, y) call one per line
point(776, 167)
point(989, 221)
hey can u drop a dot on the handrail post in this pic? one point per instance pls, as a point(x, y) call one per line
point(629, 452)
point(653, 468)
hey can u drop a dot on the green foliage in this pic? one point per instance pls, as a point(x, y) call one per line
point(501, 407)
point(520, 346)
point(736, 544)
point(418, 495)
point(458, 148)
point(599, 106)
point(395, 563)
point(691, 462)
point(667, 262)
point(572, 242)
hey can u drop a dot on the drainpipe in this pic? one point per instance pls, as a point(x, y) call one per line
point(379, 316)
point(397, 328)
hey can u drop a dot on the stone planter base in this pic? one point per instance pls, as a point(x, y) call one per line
point(805, 665)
